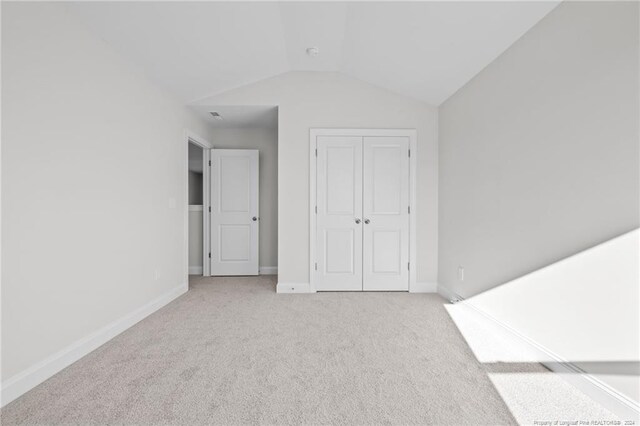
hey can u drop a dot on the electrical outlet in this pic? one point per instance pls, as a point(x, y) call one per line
point(460, 273)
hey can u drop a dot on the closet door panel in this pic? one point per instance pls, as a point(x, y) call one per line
point(385, 213)
point(339, 204)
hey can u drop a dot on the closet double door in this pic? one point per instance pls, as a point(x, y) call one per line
point(362, 219)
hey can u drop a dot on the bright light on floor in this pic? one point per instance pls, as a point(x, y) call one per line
point(547, 397)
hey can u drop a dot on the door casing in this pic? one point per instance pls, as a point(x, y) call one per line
point(313, 135)
point(192, 137)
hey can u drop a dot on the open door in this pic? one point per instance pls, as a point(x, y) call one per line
point(234, 212)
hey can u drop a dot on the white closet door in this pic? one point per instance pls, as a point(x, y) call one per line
point(339, 203)
point(386, 215)
point(234, 212)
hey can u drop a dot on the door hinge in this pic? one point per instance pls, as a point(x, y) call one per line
point(209, 255)
point(408, 266)
point(209, 163)
point(209, 209)
point(316, 209)
point(316, 152)
point(316, 266)
point(409, 153)
point(409, 209)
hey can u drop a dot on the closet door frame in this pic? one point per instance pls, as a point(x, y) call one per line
point(409, 133)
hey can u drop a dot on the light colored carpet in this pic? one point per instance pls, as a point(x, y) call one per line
point(232, 351)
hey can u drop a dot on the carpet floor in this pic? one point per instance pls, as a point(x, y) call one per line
point(232, 351)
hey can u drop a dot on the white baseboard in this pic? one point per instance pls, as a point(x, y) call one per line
point(263, 270)
point(26, 380)
point(420, 287)
point(268, 270)
point(448, 294)
point(608, 397)
point(423, 287)
point(195, 270)
point(293, 288)
point(605, 395)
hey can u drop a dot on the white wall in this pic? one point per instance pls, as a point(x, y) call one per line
point(539, 154)
point(93, 185)
point(265, 140)
point(539, 160)
point(308, 100)
point(590, 302)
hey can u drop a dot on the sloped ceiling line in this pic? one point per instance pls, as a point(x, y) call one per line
point(424, 50)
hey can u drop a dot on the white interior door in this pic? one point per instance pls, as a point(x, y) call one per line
point(234, 212)
point(339, 213)
point(386, 213)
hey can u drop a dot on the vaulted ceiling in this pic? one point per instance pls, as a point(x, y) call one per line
point(425, 50)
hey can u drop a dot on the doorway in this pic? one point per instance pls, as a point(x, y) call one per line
point(196, 204)
point(196, 208)
point(243, 189)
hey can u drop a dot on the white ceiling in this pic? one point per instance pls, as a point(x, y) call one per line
point(425, 50)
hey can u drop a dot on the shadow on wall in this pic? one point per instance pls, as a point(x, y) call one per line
point(578, 316)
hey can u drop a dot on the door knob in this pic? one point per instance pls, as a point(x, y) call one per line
point(357, 220)
point(366, 221)
point(254, 218)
